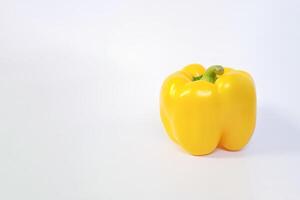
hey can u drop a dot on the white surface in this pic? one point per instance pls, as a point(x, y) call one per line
point(79, 87)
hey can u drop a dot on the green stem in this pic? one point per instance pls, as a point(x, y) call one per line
point(210, 74)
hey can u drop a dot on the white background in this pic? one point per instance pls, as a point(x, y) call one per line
point(79, 98)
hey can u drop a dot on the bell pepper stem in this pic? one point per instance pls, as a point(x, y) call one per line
point(210, 74)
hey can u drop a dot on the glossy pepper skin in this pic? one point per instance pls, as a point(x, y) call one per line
point(203, 111)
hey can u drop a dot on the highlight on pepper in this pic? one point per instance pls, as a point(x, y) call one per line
point(205, 109)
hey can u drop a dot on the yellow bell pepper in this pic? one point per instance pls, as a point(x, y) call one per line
point(204, 109)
